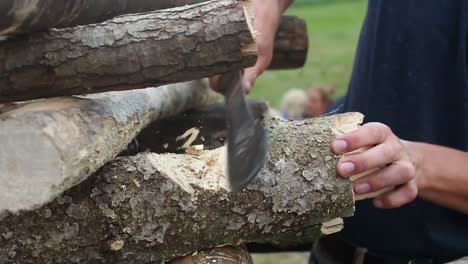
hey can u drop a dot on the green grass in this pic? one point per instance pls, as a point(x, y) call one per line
point(334, 28)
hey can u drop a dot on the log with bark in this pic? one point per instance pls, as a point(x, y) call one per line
point(291, 44)
point(50, 145)
point(24, 16)
point(153, 207)
point(130, 52)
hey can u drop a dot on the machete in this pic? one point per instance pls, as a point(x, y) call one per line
point(246, 136)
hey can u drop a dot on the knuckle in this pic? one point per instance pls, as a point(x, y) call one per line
point(412, 192)
point(378, 131)
point(406, 170)
point(353, 139)
point(377, 183)
point(388, 152)
point(361, 163)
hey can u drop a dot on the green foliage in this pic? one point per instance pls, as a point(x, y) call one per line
point(334, 27)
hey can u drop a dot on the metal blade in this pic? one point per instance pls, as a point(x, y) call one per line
point(247, 141)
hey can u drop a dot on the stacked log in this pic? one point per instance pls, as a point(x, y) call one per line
point(153, 207)
point(65, 197)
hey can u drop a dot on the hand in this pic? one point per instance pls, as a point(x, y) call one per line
point(267, 20)
point(393, 158)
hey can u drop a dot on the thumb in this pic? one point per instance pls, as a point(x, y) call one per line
point(251, 74)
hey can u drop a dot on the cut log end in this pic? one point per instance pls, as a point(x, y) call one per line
point(250, 49)
point(30, 171)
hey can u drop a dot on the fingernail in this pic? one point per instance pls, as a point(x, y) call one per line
point(378, 203)
point(340, 146)
point(346, 168)
point(362, 188)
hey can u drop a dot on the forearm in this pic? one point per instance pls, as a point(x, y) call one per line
point(268, 15)
point(442, 175)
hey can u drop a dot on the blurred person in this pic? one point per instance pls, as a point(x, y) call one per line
point(410, 73)
point(319, 99)
point(293, 105)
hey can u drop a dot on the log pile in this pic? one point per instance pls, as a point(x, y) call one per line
point(153, 207)
point(108, 178)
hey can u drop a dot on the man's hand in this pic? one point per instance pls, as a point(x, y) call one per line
point(395, 163)
point(267, 19)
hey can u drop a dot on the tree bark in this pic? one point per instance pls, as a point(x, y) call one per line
point(153, 207)
point(50, 145)
point(24, 16)
point(129, 52)
point(291, 44)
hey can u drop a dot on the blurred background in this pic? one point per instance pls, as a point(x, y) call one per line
point(334, 27)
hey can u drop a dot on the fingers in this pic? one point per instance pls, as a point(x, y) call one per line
point(251, 74)
point(378, 156)
point(387, 156)
point(396, 174)
point(401, 196)
point(368, 135)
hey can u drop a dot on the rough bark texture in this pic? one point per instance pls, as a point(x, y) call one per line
point(129, 52)
point(153, 207)
point(221, 255)
point(25, 16)
point(291, 44)
point(50, 145)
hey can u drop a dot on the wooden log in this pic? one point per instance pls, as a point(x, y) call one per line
point(291, 44)
point(8, 107)
point(50, 145)
point(153, 207)
point(23, 16)
point(129, 52)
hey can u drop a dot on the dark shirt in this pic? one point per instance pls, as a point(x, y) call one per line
point(411, 73)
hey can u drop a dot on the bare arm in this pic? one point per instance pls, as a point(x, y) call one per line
point(435, 173)
point(268, 16)
point(267, 19)
point(442, 175)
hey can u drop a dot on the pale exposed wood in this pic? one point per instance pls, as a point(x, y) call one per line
point(50, 145)
point(128, 52)
point(332, 226)
point(154, 207)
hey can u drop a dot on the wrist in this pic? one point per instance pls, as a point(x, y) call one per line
point(416, 156)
